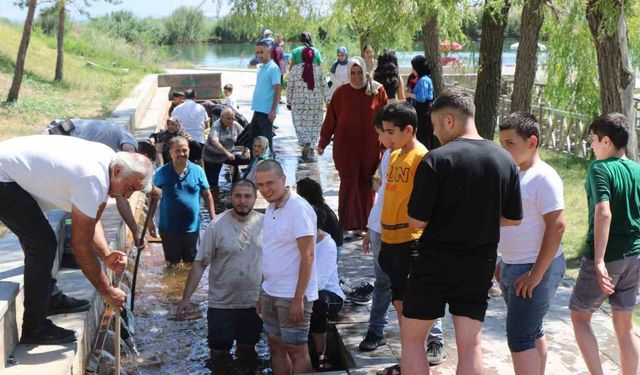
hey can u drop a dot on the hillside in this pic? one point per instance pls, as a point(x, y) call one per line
point(86, 91)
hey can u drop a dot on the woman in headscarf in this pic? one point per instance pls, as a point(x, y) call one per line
point(356, 150)
point(306, 94)
point(161, 141)
point(369, 58)
point(261, 152)
point(422, 94)
point(296, 53)
point(339, 74)
point(387, 73)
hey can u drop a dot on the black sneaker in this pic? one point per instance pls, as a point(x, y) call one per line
point(48, 334)
point(361, 295)
point(435, 353)
point(371, 341)
point(62, 304)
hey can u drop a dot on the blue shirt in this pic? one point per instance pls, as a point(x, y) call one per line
point(268, 75)
point(180, 203)
point(423, 89)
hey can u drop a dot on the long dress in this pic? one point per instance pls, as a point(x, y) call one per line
point(307, 106)
point(356, 150)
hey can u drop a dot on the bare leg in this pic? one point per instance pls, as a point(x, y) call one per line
point(397, 304)
point(413, 333)
point(279, 358)
point(299, 354)
point(542, 349)
point(586, 340)
point(526, 362)
point(469, 341)
point(629, 349)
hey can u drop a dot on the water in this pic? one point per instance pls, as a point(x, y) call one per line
point(237, 55)
point(166, 345)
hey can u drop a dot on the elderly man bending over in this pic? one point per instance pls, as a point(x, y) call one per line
point(39, 173)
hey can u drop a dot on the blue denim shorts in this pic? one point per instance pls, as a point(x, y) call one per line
point(275, 314)
point(524, 315)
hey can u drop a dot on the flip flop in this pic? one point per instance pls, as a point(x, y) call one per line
point(391, 370)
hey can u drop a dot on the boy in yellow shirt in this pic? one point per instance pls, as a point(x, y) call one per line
point(399, 241)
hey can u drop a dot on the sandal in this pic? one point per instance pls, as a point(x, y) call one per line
point(392, 370)
point(324, 363)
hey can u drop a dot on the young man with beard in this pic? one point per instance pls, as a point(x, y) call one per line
point(232, 245)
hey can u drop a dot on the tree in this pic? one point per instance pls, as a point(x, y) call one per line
point(609, 30)
point(431, 42)
point(60, 40)
point(22, 53)
point(487, 96)
point(526, 59)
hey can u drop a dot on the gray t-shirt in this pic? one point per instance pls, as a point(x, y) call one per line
point(104, 132)
point(233, 250)
point(227, 138)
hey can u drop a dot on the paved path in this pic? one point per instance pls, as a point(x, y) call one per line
point(564, 356)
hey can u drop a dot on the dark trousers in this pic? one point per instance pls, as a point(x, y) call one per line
point(21, 214)
point(261, 125)
point(326, 307)
point(179, 246)
point(212, 170)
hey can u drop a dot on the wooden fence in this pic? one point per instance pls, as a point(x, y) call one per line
point(560, 131)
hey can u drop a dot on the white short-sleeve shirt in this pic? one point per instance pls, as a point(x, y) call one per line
point(192, 117)
point(542, 192)
point(58, 171)
point(280, 253)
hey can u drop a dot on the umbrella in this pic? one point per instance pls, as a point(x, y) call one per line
point(447, 46)
point(514, 47)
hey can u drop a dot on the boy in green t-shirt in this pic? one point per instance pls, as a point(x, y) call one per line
point(611, 262)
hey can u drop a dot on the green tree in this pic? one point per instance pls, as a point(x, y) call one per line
point(526, 58)
point(487, 96)
point(14, 91)
point(185, 24)
point(607, 23)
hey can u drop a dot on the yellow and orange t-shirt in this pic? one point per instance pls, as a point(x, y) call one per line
point(400, 176)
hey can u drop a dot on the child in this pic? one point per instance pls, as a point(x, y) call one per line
point(228, 93)
point(611, 261)
point(330, 295)
point(177, 99)
point(532, 263)
point(399, 241)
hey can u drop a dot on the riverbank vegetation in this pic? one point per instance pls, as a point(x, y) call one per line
point(100, 70)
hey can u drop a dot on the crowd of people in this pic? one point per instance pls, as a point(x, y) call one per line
point(442, 210)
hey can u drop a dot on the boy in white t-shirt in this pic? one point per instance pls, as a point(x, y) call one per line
point(532, 263)
point(228, 94)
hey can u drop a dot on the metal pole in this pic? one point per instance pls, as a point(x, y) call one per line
point(152, 210)
point(117, 341)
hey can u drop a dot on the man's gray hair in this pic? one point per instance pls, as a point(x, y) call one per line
point(133, 163)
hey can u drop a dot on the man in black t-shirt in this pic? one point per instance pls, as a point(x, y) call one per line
point(463, 192)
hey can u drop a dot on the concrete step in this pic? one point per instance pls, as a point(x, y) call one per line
point(12, 284)
point(49, 359)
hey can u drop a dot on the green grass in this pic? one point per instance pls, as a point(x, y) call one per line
point(573, 171)
point(85, 92)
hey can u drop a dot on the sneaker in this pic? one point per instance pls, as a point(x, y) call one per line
point(435, 353)
point(361, 295)
point(371, 341)
point(48, 334)
point(346, 286)
point(62, 304)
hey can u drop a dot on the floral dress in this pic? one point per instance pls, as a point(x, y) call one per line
point(307, 106)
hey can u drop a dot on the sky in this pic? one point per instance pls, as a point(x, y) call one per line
point(141, 8)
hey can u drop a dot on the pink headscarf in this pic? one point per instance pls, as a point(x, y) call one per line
point(307, 70)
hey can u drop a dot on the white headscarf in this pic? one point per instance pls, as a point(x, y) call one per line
point(371, 85)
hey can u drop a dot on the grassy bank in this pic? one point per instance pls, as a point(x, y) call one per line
point(86, 91)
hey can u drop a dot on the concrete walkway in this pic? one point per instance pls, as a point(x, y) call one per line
point(564, 355)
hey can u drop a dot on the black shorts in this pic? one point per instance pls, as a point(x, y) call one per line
point(459, 278)
point(395, 260)
point(179, 247)
point(226, 325)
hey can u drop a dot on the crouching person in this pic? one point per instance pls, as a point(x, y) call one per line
point(232, 246)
